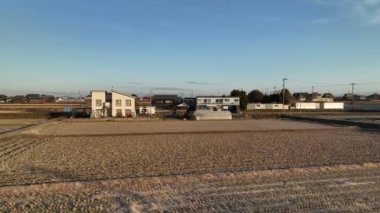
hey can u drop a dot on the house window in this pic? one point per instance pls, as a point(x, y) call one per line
point(205, 101)
point(236, 100)
point(128, 103)
point(98, 103)
point(118, 102)
point(219, 101)
point(168, 101)
point(209, 101)
point(227, 100)
point(119, 113)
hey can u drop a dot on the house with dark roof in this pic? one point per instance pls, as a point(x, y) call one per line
point(166, 101)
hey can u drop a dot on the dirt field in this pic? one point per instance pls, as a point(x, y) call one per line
point(96, 128)
point(323, 189)
point(11, 124)
point(199, 168)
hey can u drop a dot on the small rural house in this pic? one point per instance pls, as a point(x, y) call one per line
point(147, 110)
point(255, 106)
point(276, 106)
point(166, 101)
point(307, 105)
point(335, 105)
point(113, 104)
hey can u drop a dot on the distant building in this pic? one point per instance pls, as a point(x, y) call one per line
point(147, 110)
point(276, 106)
point(373, 97)
point(113, 104)
point(322, 99)
point(348, 97)
point(191, 102)
point(166, 101)
point(255, 106)
point(143, 101)
point(218, 103)
point(301, 96)
point(17, 99)
point(335, 105)
point(314, 97)
point(307, 105)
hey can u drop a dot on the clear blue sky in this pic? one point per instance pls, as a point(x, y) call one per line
point(210, 46)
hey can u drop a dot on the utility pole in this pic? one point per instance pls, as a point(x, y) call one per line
point(283, 94)
point(352, 94)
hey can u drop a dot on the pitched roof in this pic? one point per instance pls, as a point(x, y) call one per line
point(121, 93)
point(165, 97)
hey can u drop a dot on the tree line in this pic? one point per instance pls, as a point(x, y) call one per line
point(258, 97)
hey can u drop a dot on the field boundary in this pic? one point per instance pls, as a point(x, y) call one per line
point(363, 125)
point(195, 132)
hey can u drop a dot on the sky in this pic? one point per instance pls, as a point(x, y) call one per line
point(189, 46)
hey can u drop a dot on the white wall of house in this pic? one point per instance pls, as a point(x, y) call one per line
point(307, 105)
point(335, 105)
point(253, 106)
point(122, 105)
point(276, 106)
point(148, 110)
point(210, 115)
point(217, 102)
point(320, 99)
point(98, 99)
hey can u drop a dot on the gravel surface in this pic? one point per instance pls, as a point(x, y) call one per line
point(110, 127)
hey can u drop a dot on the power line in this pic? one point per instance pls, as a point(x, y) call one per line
point(330, 83)
point(315, 82)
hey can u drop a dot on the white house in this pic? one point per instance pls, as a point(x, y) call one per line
point(123, 105)
point(147, 110)
point(218, 103)
point(253, 106)
point(115, 104)
point(276, 106)
point(99, 104)
point(307, 105)
point(335, 105)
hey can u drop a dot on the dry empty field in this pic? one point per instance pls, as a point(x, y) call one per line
point(151, 127)
point(12, 124)
point(198, 169)
point(322, 189)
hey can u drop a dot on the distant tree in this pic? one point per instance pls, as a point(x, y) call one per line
point(288, 97)
point(255, 96)
point(266, 99)
point(3, 98)
point(328, 95)
point(134, 95)
point(243, 98)
point(274, 98)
